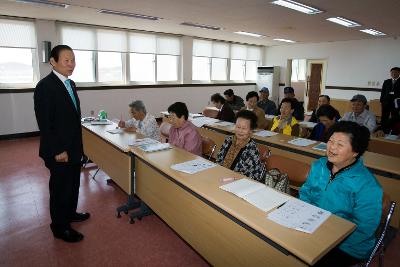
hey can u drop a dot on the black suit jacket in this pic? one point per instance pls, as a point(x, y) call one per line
point(387, 87)
point(226, 113)
point(58, 120)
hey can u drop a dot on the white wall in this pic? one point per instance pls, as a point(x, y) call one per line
point(350, 63)
point(17, 114)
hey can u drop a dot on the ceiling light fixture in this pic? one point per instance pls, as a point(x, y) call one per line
point(202, 26)
point(373, 32)
point(297, 6)
point(43, 2)
point(344, 22)
point(284, 40)
point(127, 14)
point(250, 34)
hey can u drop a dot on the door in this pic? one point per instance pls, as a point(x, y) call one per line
point(315, 82)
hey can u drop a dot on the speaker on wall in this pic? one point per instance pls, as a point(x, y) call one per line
point(46, 51)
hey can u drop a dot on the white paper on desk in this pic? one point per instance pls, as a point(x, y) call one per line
point(307, 124)
point(265, 133)
point(242, 187)
point(224, 123)
point(193, 166)
point(195, 115)
point(116, 131)
point(301, 142)
point(199, 122)
point(299, 215)
point(266, 198)
point(105, 122)
point(391, 137)
point(155, 147)
point(144, 141)
point(165, 113)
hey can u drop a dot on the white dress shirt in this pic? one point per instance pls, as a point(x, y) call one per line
point(148, 126)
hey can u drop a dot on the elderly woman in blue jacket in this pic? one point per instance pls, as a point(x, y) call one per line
point(341, 184)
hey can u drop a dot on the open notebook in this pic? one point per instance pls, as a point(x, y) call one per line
point(257, 194)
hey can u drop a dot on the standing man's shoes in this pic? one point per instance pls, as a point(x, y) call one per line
point(80, 217)
point(69, 235)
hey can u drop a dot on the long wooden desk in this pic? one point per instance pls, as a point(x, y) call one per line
point(385, 168)
point(384, 146)
point(224, 229)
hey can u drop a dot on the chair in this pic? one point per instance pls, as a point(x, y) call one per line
point(211, 113)
point(208, 147)
point(379, 249)
point(264, 154)
point(297, 171)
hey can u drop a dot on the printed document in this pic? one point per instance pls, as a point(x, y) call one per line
point(301, 142)
point(193, 166)
point(299, 215)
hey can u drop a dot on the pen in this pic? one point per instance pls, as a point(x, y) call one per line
point(281, 205)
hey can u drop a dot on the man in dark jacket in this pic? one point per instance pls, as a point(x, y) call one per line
point(390, 91)
point(235, 101)
point(58, 115)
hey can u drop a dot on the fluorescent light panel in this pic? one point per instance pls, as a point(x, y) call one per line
point(250, 34)
point(297, 6)
point(43, 2)
point(344, 22)
point(127, 14)
point(373, 32)
point(202, 26)
point(284, 40)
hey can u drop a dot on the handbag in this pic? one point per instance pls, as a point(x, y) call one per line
point(277, 180)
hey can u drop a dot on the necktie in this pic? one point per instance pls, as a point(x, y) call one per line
point(71, 93)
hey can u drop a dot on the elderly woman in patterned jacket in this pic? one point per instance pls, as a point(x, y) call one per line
point(240, 153)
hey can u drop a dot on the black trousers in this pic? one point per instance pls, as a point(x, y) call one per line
point(64, 191)
point(336, 258)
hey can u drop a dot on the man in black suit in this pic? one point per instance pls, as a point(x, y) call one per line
point(58, 115)
point(390, 91)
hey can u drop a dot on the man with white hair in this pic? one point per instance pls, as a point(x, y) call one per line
point(142, 122)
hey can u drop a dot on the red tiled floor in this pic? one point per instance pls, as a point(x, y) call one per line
point(26, 240)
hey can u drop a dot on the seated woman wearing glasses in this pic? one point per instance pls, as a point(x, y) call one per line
point(239, 153)
point(341, 184)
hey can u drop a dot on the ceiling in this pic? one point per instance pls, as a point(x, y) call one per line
point(258, 16)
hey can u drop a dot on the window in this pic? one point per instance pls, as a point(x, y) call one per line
point(111, 56)
point(110, 66)
point(167, 68)
point(298, 70)
point(84, 69)
point(244, 62)
point(237, 70)
point(219, 68)
point(201, 69)
point(17, 52)
point(154, 58)
point(142, 67)
point(210, 61)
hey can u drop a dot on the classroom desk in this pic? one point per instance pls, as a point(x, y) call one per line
point(224, 229)
point(384, 146)
point(385, 168)
point(111, 153)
